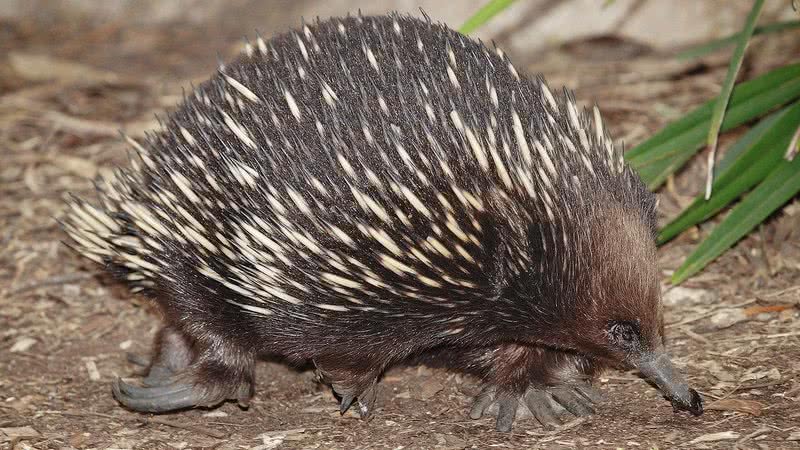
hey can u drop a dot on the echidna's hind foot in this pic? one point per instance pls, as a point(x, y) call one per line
point(544, 403)
point(352, 387)
point(173, 353)
point(157, 399)
point(181, 376)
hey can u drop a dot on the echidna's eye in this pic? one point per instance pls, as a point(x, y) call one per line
point(624, 334)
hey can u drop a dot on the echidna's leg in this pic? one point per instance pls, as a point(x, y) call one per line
point(351, 384)
point(185, 376)
point(524, 381)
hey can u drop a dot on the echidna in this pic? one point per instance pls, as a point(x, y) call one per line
point(368, 189)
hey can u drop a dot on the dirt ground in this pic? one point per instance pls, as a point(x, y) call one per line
point(65, 90)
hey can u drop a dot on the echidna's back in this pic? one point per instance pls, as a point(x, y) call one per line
point(349, 166)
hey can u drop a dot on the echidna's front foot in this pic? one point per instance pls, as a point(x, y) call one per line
point(351, 386)
point(365, 400)
point(545, 404)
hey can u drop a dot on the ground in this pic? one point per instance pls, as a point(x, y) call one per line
point(66, 89)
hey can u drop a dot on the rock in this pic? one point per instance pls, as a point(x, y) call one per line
point(684, 296)
point(728, 317)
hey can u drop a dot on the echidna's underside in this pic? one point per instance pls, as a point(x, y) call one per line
point(367, 189)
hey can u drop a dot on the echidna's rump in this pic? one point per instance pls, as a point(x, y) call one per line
point(366, 189)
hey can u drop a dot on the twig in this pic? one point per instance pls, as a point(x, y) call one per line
point(781, 292)
point(764, 385)
point(755, 338)
point(84, 414)
point(709, 313)
point(752, 435)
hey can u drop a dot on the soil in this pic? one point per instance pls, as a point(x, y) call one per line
point(65, 89)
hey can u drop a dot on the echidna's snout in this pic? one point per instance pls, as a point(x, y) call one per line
point(658, 368)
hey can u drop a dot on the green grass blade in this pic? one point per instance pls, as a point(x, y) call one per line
point(778, 187)
point(762, 152)
point(483, 15)
point(742, 93)
point(727, 87)
point(710, 47)
point(747, 141)
point(667, 150)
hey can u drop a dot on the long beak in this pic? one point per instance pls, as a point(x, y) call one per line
point(658, 368)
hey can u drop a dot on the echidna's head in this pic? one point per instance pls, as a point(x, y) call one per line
point(618, 314)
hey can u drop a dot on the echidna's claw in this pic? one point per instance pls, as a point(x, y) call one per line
point(544, 404)
point(572, 400)
point(482, 402)
point(158, 373)
point(361, 387)
point(345, 403)
point(156, 399)
point(506, 411)
point(539, 404)
point(366, 399)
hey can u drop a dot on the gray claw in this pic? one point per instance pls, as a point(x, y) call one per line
point(366, 401)
point(507, 412)
point(158, 376)
point(344, 405)
point(482, 402)
point(593, 394)
point(155, 399)
point(545, 404)
point(540, 405)
point(137, 359)
point(572, 400)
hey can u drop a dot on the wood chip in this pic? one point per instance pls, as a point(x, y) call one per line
point(20, 432)
point(91, 367)
point(23, 344)
point(716, 437)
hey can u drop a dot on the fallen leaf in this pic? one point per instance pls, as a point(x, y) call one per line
point(751, 407)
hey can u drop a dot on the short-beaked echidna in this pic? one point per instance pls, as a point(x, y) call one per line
point(369, 189)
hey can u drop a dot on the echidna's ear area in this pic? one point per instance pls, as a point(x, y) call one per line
point(627, 289)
